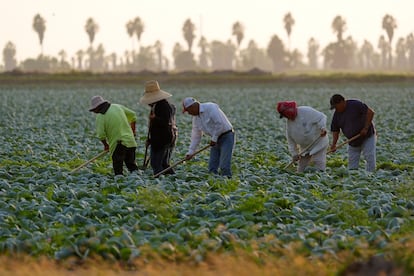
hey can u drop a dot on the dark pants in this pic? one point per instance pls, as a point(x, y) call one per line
point(123, 154)
point(160, 159)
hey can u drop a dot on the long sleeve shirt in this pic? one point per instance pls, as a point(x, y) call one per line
point(305, 129)
point(162, 129)
point(212, 121)
point(114, 126)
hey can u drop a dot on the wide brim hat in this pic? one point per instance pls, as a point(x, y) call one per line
point(96, 101)
point(153, 93)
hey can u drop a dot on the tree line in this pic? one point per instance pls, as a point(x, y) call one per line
point(342, 54)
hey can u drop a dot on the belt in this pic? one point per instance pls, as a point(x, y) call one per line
point(224, 133)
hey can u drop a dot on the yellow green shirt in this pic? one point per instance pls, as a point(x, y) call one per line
point(114, 126)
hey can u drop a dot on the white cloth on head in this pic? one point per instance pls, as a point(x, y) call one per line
point(305, 129)
point(211, 121)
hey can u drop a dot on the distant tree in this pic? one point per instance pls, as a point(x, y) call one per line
point(41, 64)
point(350, 59)
point(188, 32)
point(113, 60)
point(158, 54)
point(276, 52)
point(79, 56)
point(9, 56)
point(99, 59)
point(295, 59)
point(203, 58)
point(254, 58)
point(183, 60)
point(367, 55)
point(130, 31)
point(336, 53)
point(389, 24)
point(63, 55)
point(146, 59)
point(91, 29)
point(401, 55)
point(288, 21)
point(39, 25)
point(328, 54)
point(139, 28)
point(339, 27)
point(313, 49)
point(222, 55)
point(385, 48)
point(410, 50)
point(238, 31)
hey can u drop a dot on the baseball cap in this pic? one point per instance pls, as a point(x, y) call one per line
point(187, 102)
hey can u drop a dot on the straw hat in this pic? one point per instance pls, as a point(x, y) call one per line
point(96, 101)
point(153, 93)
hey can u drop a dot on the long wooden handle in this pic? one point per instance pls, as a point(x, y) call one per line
point(303, 151)
point(89, 161)
point(344, 143)
point(181, 161)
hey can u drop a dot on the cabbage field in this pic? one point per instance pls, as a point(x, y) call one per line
point(47, 130)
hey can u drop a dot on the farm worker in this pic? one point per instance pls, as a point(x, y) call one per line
point(354, 117)
point(116, 123)
point(305, 133)
point(210, 119)
point(162, 127)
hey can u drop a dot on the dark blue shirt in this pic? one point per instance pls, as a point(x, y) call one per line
point(352, 121)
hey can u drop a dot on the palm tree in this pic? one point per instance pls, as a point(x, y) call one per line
point(130, 30)
point(139, 28)
point(289, 21)
point(238, 31)
point(188, 32)
point(389, 24)
point(339, 26)
point(39, 25)
point(91, 29)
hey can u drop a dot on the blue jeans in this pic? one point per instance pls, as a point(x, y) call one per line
point(220, 155)
point(368, 150)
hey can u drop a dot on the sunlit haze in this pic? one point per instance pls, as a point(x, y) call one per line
point(163, 20)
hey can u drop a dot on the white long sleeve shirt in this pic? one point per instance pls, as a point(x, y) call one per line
point(305, 129)
point(212, 121)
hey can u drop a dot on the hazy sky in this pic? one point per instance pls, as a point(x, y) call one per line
point(163, 19)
